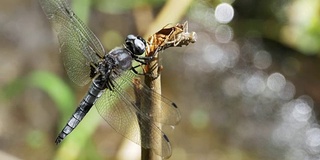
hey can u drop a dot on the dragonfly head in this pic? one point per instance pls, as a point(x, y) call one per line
point(136, 44)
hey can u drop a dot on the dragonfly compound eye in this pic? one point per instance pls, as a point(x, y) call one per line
point(136, 45)
point(140, 45)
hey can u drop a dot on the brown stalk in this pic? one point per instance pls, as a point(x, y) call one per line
point(175, 36)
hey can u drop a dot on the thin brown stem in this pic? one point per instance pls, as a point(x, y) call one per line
point(178, 7)
point(152, 107)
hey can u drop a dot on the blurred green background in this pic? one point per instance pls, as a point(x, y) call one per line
point(248, 89)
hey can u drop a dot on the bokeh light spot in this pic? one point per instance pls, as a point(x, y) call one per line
point(301, 111)
point(255, 84)
point(262, 60)
point(313, 137)
point(276, 82)
point(224, 33)
point(224, 13)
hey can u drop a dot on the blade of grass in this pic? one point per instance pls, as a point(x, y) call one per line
point(58, 90)
point(172, 12)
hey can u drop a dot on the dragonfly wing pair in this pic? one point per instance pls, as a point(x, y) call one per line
point(79, 47)
point(82, 53)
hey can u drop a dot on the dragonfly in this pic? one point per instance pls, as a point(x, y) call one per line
point(109, 74)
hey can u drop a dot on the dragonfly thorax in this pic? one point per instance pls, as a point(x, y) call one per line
point(119, 59)
point(115, 63)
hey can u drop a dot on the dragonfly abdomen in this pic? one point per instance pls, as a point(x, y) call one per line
point(84, 107)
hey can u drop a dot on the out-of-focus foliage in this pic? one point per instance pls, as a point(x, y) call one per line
point(303, 27)
point(48, 83)
point(60, 93)
point(82, 8)
point(120, 6)
point(294, 23)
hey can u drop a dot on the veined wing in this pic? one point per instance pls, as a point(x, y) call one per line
point(168, 114)
point(79, 47)
point(119, 109)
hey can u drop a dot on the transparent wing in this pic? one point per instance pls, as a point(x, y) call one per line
point(168, 114)
point(79, 47)
point(119, 109)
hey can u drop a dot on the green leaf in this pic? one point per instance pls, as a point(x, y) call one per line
point(82, 9)
point(58, 90)
point(124, 5)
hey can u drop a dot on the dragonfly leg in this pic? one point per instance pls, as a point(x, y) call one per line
point(137, 72)
point(159, 68)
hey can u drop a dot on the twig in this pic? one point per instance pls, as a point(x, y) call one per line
point(152, 106)
point(178, 7)
point(138, 93)
point(176, 36)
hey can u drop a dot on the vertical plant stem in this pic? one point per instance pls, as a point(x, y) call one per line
point(178, 7)
point(149, 106)
point(153, 106)
point(137, 91)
